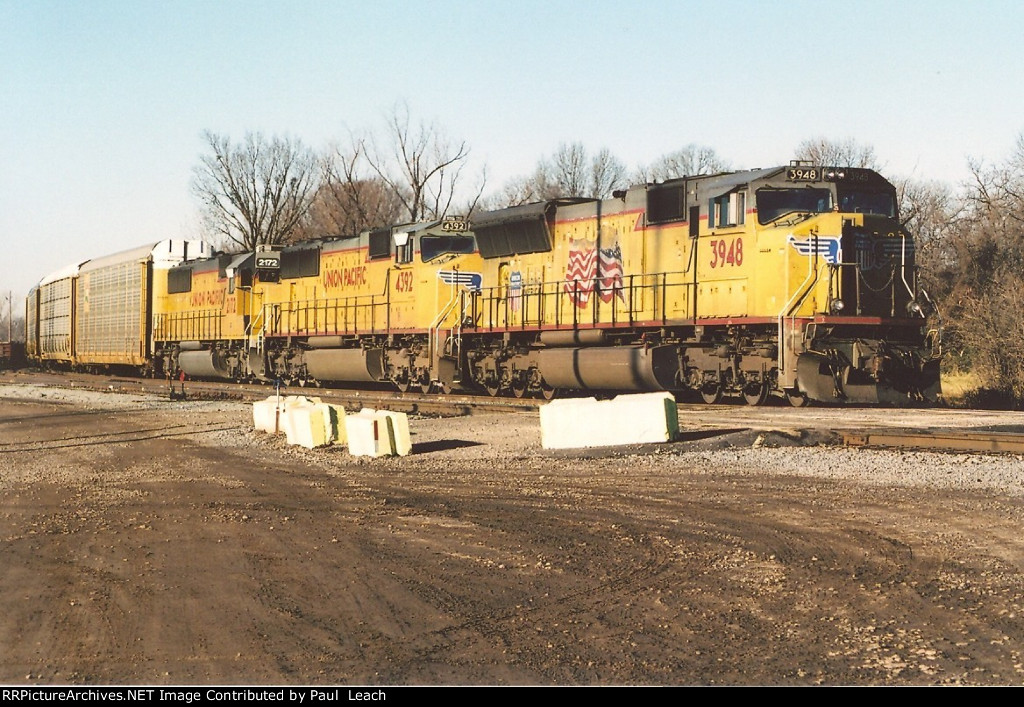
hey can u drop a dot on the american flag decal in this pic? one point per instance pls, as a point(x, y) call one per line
point(472, 281)
point(587, 265)
point(829, 247)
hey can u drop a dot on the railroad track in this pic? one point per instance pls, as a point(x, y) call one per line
point(451, 405)
point(708, 418)
point(931, 440)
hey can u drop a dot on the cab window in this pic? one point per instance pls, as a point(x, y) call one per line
point(774, 203)
point(867, 202)
point(432, 247)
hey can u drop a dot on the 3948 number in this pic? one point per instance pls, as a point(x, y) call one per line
point(726, 252)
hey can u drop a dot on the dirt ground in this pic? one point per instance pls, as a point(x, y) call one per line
point(156, 543)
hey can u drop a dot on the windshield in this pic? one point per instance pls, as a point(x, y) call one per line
point(868, 202)
point(434, 246)
point(773, 203)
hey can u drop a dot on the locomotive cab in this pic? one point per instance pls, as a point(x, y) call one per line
point(853, 330)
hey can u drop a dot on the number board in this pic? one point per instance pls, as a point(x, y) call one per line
point(454, 225)
point(268, 262)
point(803, 174)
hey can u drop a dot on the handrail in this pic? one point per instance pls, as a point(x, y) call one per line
point(903, 266)
point(584, 295)
point(790, 306)
point(314, 316)
point(434, 341)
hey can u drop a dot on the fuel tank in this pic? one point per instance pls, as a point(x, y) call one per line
point(358, 365)
point(202, 364)
point(636, 368)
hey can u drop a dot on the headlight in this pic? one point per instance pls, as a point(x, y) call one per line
point(837, 306)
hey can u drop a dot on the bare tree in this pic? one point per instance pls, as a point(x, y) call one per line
point(686, 162)
point(517, 191)
point(837, 153)
point(420, 165)
point(566, 172)
point(931, 212)
point(351, 198)
point(12, 321)
point(607, 174)
point(984, 285)
point(255, 192)
point(569, 172)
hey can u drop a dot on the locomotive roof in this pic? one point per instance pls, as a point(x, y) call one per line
point(728, 180)
point(725, 181)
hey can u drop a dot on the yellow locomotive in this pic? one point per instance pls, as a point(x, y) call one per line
point(794, 281)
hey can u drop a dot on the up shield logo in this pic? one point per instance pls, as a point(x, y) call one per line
point(828, 247)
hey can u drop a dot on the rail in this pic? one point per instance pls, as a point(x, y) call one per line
point(993, 442)
point(791, 306)
point(437, 325)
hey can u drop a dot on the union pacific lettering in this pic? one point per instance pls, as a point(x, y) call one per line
point(207, 298)
point(344, 277)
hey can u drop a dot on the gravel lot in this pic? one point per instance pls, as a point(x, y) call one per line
point(151, 542)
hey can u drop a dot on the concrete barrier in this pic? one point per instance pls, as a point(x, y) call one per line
point(627, 419)
point(400, 436)
point(304, 421)
point(306, 426)
point(378, 433)
point(267, 415)
point(334, 419)
point(310, 423)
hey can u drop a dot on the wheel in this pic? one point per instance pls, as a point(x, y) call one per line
point(797, 400)
point(711, 393)
point(547, 392)
point(426, 387)
point(519, 389)
point(755, 393)
point(492, 388)
point(402, 385)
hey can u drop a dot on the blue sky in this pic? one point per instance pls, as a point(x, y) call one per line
point(103, 103)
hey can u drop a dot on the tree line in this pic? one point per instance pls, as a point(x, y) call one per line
point(276, 190)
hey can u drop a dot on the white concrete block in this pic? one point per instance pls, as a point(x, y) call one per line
point(362, 435)
point(306, 426)
point(378, 433)
point(627, 419)
point(265, 415)
point(400, 438)
point(334, 419)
